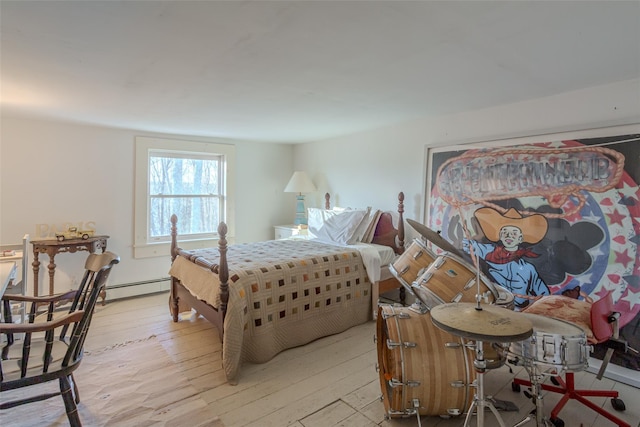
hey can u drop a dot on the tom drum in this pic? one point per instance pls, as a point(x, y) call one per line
point(449, 278)
point(413, 261)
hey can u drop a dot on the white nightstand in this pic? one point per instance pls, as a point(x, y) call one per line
point(290, 230)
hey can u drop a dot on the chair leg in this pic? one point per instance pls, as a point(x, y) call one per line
point(69, 402)
point(567, 389)
point(76, 394)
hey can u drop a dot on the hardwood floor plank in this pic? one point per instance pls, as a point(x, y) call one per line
point(334, 414)
point(329, 382)
point(307, 396)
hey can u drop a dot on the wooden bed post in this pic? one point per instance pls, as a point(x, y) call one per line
point(327, 203)
point(223, 269)
point(401, 222)
point(173, 297)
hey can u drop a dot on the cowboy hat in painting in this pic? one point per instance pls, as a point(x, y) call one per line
point(533, 227)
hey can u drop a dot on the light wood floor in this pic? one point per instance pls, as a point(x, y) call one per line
point(330, 382)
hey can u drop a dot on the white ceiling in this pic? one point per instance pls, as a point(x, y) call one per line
point(296, 71)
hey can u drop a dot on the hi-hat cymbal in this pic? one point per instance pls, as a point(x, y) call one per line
point(487, 323)
point(434, 237)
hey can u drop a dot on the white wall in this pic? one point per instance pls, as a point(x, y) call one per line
point(53, 172)
point(368, 169)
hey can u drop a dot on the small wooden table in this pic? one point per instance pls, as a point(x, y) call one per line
point(53, 247)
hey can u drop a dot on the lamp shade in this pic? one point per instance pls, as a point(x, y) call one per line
point(300, 183)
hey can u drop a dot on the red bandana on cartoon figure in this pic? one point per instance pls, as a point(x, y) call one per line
point(502, 256)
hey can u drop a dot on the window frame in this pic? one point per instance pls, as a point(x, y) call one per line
point(144, 247)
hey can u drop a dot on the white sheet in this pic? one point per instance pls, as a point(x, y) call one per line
point(374, 256)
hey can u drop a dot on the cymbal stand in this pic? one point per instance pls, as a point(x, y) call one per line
point(479, 402)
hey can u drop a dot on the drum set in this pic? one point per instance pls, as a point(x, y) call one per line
point(432, 355)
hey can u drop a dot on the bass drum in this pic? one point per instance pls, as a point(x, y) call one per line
point(422, 368)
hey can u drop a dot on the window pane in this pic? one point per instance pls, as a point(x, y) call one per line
point(173, 175)
point(196, 215)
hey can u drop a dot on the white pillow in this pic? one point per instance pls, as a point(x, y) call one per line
point(371, 228)
point(315, 219)
point(334, 226)
point(366, 229)
point(360, 232)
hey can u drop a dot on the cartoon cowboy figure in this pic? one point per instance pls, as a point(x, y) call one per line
point(505, 256)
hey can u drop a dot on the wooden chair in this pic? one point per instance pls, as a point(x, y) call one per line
point(603, 323)
point(51, 343)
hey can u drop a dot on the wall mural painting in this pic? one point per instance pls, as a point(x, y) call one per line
point(557, 217)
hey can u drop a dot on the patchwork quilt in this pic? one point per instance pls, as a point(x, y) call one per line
point(282, 294)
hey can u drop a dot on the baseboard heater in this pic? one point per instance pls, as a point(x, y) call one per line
point(133, 289)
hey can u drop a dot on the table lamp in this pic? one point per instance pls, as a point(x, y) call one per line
point(300, 183)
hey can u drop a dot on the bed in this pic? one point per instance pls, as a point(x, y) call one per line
point(265, 297)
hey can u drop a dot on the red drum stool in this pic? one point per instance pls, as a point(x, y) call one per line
point(600, 323)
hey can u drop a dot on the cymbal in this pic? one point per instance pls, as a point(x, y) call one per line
point(434, 237)
point(488, 323)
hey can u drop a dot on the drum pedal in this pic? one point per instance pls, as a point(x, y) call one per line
point(503, 405)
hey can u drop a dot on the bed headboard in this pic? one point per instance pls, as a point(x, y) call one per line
point(386, 233)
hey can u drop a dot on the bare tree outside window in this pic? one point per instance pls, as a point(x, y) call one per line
point(187, 185)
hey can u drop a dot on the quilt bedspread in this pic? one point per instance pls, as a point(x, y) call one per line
point(282, 294)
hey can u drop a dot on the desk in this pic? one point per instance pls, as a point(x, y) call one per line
point(53, 247)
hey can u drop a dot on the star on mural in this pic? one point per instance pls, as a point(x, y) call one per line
point(596, 252)
point(623, 258)
point(616, 217)
point(630, 191)
point(633, 298)
point(591, 218)
point(584, 279)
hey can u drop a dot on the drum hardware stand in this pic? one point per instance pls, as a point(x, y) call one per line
point(415, 410)
point(479, 401)
point(416, 406)
point(418, 306)
point(536, 395)
point(480, 364)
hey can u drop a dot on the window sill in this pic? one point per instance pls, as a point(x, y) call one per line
point(163, 249)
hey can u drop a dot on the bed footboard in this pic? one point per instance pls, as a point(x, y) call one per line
point(180, 298)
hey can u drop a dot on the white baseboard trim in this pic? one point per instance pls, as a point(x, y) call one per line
point(615, 372)
point(129, 290)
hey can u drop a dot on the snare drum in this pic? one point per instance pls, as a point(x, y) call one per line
point(554, 344)
point(412, 263)
point(419, 362)
point(451, 279)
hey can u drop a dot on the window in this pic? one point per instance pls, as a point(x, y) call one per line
point(186, 178)
point(189, 185)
